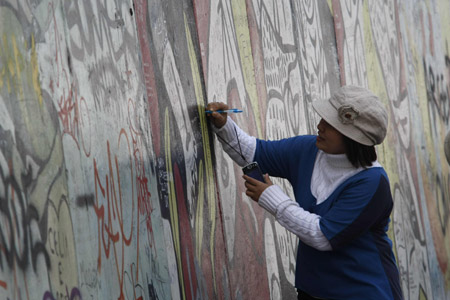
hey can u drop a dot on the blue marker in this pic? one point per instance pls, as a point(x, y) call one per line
point(233, 110)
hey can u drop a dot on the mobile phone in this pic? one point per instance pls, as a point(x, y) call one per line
point(253, 170)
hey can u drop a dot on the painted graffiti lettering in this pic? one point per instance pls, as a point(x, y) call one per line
point(105, 41)
point(437, 93)
point(98, 35)
point(152, 292)
point(18, 217)
point(107, 234)
point(119, 224)
point(57, 242)
point(133, 288)
point(75, 294)
point(142, 183)
point(442, 202)
point(74, 115)
point(73, 110)
point(88, 275)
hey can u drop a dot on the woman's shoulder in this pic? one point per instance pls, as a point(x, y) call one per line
point(372, 175)
point(367, 184)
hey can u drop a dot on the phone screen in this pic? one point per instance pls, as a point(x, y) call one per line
point(253, 171)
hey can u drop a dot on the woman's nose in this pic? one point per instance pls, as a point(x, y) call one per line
point(320, 126)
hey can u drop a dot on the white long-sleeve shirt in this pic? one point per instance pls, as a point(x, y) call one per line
point(329, 172)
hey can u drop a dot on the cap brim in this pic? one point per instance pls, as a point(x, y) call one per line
point(329, 113)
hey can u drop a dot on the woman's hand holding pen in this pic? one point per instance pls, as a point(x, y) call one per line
point(255, 187)
point(217, 112)
point(218, 119)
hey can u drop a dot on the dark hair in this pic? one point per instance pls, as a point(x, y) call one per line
point(358, 154)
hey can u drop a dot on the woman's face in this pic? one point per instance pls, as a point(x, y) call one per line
point(329, 140)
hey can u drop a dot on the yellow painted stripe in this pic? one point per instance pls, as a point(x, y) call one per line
point(330, 5)
point(199, 213)
point(9, 64)
point(210, 187)
point(17, 58)
point(35, 71)
point(173, 201)
point(246, 56)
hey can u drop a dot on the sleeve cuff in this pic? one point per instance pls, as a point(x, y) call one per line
point(225, 129)
point(271, 198)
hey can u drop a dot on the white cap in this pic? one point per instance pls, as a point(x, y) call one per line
point(356, 113)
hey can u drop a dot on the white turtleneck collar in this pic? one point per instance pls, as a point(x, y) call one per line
point(330, 170)
point(337, 160)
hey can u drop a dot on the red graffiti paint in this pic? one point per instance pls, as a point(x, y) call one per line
point(340, 35)
point(110, 203)
point(187, 249)
point(73, 110)
point(147, 69)
point(110, 191)
point(202, 16)
point(74, 115)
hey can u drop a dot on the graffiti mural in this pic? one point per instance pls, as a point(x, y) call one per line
point(187, 191)
point(405, 66)
point(229, 78)
point(112, 185)
point(37, 240)
point(274, 83)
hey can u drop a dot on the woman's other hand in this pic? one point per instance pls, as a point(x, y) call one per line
point(218, 119)
point(255, 187)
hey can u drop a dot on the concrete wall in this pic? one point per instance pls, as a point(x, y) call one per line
point(112, 185)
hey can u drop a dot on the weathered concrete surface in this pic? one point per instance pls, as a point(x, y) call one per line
point(111, 184)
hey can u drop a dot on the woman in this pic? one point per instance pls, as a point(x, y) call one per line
point(342, 195)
